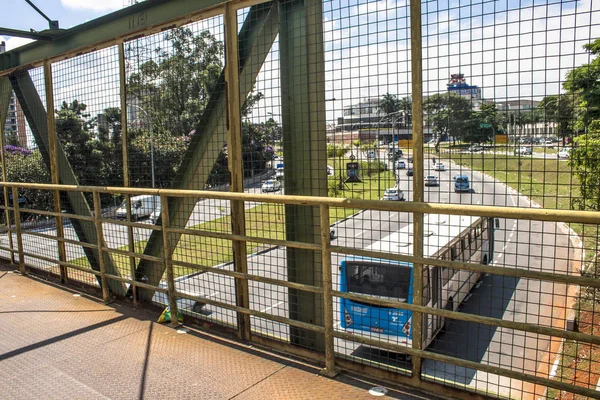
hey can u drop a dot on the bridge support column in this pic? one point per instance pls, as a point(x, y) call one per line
point(304, 150)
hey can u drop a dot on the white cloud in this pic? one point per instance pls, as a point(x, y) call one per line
point(14, 42)
point(104, 5)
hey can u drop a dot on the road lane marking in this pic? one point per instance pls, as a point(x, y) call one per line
point(512, 232)
point(273, 306)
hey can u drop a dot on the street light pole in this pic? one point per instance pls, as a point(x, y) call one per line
point(151, 141)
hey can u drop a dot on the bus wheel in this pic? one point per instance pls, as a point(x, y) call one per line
point(449, 307)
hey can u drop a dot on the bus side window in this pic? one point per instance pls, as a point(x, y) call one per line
point(426, 285)
point(453, 253)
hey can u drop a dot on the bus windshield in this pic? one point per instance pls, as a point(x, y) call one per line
point(378, 279)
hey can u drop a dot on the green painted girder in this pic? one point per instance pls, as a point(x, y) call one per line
point(304, 148)
point(101, 32)
point(34, 111)
point(256, 37)
point(5, 91)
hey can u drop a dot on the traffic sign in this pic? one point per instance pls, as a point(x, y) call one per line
point(485, 125)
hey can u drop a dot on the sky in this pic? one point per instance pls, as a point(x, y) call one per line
point(69, 13)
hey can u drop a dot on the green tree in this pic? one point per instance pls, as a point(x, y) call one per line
point(86, 154)
point(26, 166)
point(448, 114)
point(338, 151)
point(584, 83)
point(482, 124)
point(389, 103)
point(405, 105)
point(175, 88)
point(585, 163)
point(560, 110)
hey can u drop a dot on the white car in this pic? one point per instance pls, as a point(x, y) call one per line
point(400, 165)
point(431, 180)
point(563, 153)
point(523, 150)
point(439, 167)
point(270, 186)
point(393, 194)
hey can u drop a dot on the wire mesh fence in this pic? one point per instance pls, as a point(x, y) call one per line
point(488, 295)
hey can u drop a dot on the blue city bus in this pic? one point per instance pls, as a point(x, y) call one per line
point(458, 238)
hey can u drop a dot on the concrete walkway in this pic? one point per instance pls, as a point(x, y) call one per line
point(56, 343)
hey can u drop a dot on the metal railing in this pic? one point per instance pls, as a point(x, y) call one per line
point(332, 361)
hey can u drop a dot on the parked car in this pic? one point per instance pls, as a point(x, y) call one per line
point(461, 183)
point(549, 143)
point(431, 180)
point(393, 194)
point(439, 167)
point(409, 171)
point(279, 173)
point(523, 150)
point(270, 186)
point(141, 206)
point(400, 165)
point(565, 152)
point(475, 149)
point(371, 155)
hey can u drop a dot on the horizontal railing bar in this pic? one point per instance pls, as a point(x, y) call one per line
point(132, 254)
point(468, 364)
point(63, 263)
point(132, 224)
point(9, 249)
point(475, 267)
point(283, 320)
point(56, 214)
point(59, 239)
point(245, 238)
point(521, 326)
point(148, 286)
point(536, 214)
point(263, 279)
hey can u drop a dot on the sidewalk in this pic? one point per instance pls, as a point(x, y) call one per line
point(56, 343)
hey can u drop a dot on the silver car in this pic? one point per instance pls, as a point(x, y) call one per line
point(393, 194)
point(431, 180)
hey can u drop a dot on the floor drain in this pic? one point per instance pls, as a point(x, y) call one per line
point(378, 391)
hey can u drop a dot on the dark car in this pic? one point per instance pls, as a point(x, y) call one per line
point(409, 171)
point(396, 155)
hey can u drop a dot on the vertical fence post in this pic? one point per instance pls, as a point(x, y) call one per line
point(327, 296)
point(234, 148)
point(52, 144)
point(418, 196)
point(166, 223)
point(100, 243)
point(5, 91)
point(15, 194)
point(125, 158)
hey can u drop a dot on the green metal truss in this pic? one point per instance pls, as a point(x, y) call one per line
point(34, 111)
